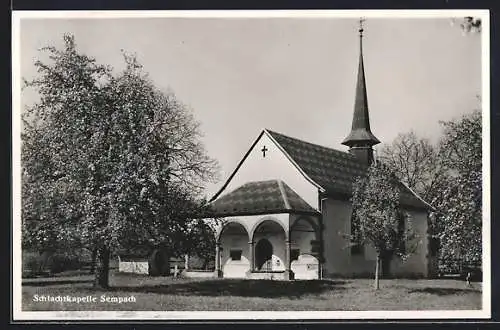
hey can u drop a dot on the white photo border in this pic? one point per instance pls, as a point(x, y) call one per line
point(19, 315)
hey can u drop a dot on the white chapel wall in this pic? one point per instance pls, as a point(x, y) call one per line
point(417, 263)
point(275, 165)
point(336, 219)
point(338, 258)
point(337, 252)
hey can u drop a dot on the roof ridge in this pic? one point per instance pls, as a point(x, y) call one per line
point(257, 181)
point(314, 144)
point(283, 194)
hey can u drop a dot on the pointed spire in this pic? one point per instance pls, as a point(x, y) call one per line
point(361, 135)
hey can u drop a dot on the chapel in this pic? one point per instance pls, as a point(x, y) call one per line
point(291, 220)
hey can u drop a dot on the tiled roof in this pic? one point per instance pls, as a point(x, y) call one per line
point(273, 196)
point(333, 170)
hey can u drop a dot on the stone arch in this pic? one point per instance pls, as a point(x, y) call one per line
point(231, 223)
point(314, 226)
point(261, 221)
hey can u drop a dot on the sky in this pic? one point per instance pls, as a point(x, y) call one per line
point(292, 75)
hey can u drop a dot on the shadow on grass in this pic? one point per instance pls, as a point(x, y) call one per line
point(56, 282)
point(242, 288)
point(445, 291)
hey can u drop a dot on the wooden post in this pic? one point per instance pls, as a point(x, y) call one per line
point(176, 271)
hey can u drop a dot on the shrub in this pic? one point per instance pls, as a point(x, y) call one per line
point(31, 265)
point(61, 262)
point(200, 263)
point(38, 263)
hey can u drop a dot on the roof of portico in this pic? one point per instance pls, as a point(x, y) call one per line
point(261, 197)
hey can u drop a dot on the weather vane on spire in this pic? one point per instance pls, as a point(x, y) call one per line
point(361, 21)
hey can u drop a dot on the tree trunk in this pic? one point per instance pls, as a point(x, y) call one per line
point(102, 268)
point(377, 271)
point(93, 261)
point(44, 260)
point(159, 262)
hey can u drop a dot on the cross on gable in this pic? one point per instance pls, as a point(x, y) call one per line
point(264, 149)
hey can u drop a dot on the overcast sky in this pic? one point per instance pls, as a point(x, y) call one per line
point(292, 75)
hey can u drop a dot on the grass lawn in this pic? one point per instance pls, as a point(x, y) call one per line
point(168, 294)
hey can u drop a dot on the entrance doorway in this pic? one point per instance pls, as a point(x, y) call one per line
point(263, 255)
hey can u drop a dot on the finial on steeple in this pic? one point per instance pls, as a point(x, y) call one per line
point(361, 21)
point(360, 140)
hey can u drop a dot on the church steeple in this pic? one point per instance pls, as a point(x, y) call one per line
point(361, 139)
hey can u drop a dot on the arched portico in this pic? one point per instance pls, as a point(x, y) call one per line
point(265, 209)
point(310, 222)
point(305, 235)
point(231, 250)
point(267, 221)
point(233, 226)
point(270, 247)
point(305, 238)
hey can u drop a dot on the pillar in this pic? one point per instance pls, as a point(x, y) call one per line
point(288, 271)
point(218, 271)
point(251, 255)
point(321, 256)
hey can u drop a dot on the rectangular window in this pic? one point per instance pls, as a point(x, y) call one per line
point(294, 254)
point(235, 254)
